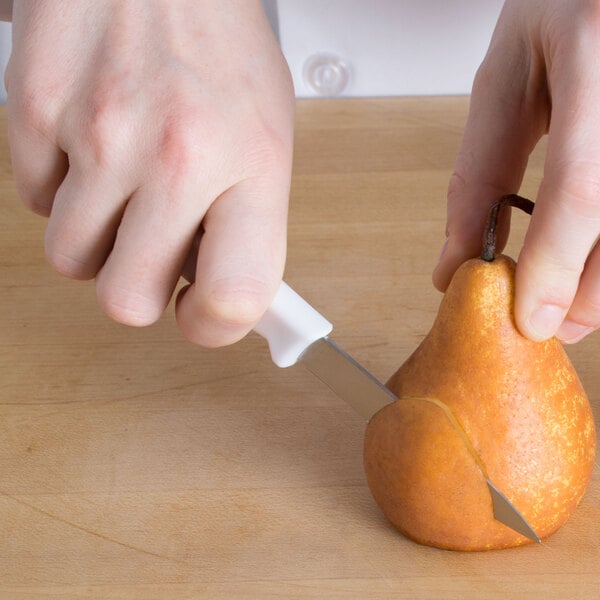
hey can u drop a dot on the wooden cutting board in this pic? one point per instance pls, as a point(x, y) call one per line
point(134, 465)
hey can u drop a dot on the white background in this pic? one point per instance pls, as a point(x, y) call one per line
point(392, 47)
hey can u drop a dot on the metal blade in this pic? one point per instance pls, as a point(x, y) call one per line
point(367, 395)
point(506, 513)
point(347, 378)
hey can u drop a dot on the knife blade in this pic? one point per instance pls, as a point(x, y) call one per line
point(297, 332)
point(347, 378)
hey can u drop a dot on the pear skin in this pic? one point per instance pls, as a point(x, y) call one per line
point(521, 417)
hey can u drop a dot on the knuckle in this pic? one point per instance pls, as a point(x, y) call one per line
point(102, 126)
point(31, 200)
point(240, 303)
point(191, 136)
point(588, 311)
point(552, 277)
point(550, 260)
point(576, 188)
point(61, 253)
point(126, 306)
point(67, 265)
point(585, 309)
point(33, 111)
point(556, 281)
point(223, 312)
point(266, 150)
point(484, 76)
point(178, 148)
point(102, 131)
point(457, 185)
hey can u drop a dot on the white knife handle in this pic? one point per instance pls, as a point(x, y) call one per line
point(291, 325)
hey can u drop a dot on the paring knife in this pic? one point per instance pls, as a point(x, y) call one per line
point(296, 332)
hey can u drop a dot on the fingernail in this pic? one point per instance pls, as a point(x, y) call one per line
point(571, 332)
point(544, 321)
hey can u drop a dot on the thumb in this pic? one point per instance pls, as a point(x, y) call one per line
point(241, 256)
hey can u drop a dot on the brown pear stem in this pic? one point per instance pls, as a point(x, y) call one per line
point(488, 251)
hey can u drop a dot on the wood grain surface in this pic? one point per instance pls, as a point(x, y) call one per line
point(134, 465)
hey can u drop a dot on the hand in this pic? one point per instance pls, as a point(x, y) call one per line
point(540, 75)
point(132, 125)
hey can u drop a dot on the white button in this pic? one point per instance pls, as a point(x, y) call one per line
point(326, 74)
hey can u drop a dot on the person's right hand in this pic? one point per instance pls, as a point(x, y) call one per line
point(132, 125)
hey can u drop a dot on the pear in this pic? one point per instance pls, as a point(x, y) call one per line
point(476, 400)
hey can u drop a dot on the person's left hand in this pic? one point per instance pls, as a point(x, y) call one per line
point(540, 75)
